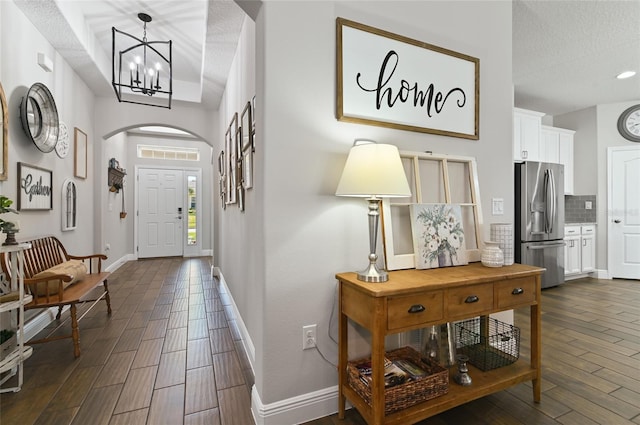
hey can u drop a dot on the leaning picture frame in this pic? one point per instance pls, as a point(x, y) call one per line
point(80, 153)
point(35, 188)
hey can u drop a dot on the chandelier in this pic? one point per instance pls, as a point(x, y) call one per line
point(142, 71)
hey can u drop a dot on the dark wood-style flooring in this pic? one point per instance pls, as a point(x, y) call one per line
point(171, 354)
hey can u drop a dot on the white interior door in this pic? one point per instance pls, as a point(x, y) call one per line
point(160, 213)
point(624, 213)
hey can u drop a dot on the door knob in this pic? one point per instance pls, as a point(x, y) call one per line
point(616, 221)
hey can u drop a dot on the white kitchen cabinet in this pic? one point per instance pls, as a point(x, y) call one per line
point(579, 250)
point(565, 154)
point(572, 252)
point(556, 146)
point(588, 248)
point(549, 145)
point(526, 134)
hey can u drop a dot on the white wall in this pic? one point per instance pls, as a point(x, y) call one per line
point(99, 118)
point(238, 236)
point(585, 140)
point(120, 231)
point(113, 118)
point(596, 130)
point(20, 44)
point(280, 257)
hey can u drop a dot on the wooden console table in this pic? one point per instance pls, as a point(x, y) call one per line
point(447, 295)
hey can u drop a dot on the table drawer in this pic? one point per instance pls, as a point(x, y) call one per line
point(469, 300)
point(412, 310)
point(516, 292)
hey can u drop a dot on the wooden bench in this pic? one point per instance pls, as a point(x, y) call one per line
point(50, 291)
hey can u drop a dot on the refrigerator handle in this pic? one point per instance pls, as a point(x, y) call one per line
point(549, 201)
point(545, 246)
point(554, 209)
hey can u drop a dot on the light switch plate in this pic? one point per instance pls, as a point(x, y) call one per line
point(588, 205)
point(497, 206)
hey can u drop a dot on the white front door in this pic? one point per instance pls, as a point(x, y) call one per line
point(160, 209)
point(624, 212)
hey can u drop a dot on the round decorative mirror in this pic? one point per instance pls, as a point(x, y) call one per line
point(39, 117)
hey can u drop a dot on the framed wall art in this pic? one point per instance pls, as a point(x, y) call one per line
point(246, 135)
point(222, 179)
point(69, 205)
point(438, 235)
point(80, 153)
point(238, 167)
point(35, 191)
point(389, 80)
point(231, 149)
point(4, 133)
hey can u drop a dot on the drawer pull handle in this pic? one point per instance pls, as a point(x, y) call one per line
point(416, 308)
point(517, 291)
point(472, 299)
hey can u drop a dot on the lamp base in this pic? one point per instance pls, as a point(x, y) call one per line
point(373, 274)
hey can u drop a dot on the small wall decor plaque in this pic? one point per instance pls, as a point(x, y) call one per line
point(80, 153)
point(35, 190)
point(389, 80)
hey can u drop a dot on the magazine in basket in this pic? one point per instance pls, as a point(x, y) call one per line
point(395, 372)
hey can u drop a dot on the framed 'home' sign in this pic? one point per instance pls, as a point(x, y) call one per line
point(388, 80)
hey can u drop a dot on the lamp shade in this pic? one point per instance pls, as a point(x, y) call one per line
point(373, 170)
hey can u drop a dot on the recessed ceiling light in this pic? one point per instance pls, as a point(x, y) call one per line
point(626, 74)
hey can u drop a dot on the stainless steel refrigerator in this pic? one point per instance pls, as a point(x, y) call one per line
point(539, 218)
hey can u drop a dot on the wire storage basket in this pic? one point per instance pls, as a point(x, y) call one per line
point(489, 343)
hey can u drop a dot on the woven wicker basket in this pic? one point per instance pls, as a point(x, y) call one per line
point(408, 394)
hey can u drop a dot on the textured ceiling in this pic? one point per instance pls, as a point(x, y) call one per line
point(566, 54)
point(204, 34)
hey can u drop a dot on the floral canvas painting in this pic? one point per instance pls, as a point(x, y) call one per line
point(438, 236)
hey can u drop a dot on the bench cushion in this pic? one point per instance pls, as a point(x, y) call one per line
point(75, 268)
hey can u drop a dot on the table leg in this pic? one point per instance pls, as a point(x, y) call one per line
point(536, 348)
point(342, 354)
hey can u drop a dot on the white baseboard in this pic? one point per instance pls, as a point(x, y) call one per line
point(119, 262)
point(215, 271)
point(295, 410)
point(596, 274)
point(247, 343)
point(41, 321)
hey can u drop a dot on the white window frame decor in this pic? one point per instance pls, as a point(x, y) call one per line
point(395, 211)
point(389, 80)
point(69, 205)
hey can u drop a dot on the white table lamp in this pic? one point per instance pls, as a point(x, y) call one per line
point(373, 171)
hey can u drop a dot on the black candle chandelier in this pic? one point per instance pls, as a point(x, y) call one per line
point(142, 67)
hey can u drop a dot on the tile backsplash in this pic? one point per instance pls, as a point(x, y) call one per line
point(575, 210)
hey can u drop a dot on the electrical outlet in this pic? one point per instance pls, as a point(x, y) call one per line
point(497, 206)
point(588, 205)
point(309, 336)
